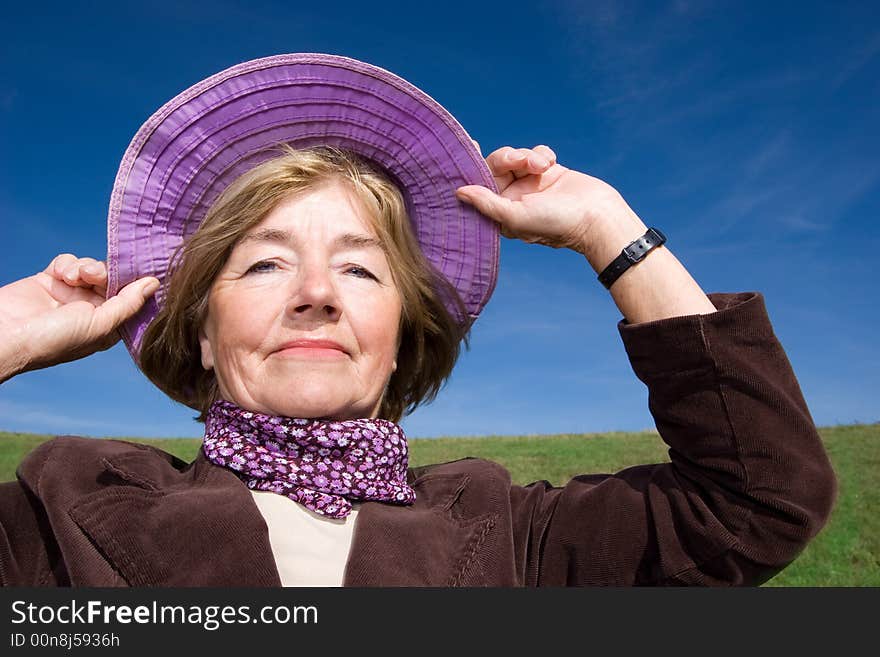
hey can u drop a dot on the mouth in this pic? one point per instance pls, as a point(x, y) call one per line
point(312, 349)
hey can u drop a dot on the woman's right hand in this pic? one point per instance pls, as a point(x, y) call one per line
point(62, 314)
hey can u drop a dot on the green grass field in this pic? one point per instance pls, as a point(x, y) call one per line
point(846, 552)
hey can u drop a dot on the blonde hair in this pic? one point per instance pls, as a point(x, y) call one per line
point(429, 335)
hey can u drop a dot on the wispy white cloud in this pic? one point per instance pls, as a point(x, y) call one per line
point(705, 102)
point(772, 152)
point(540, 303)
point(38, 418)
point(634, 89)
point(857, 59)
point(505, 407)
point(635, 58)
point(790, 205)
point(741, 203)
point(823, 203)
point(781, 183)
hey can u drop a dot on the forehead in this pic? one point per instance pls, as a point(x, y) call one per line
point(330, 209)
point(330, 213)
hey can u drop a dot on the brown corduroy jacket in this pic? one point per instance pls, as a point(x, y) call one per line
point(748, 485)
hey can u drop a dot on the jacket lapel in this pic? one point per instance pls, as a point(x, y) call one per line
point(430, 543)
point(199, 526)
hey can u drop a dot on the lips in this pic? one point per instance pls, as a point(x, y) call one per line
point(313, 344)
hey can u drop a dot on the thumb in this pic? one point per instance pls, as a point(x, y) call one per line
point(115, 310)
point(496, 207)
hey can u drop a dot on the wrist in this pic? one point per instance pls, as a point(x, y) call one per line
point(608, 236)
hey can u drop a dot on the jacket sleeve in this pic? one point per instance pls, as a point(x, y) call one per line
point(28, 553)
point(748, 485)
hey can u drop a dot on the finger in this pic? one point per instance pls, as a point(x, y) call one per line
point(496, 160)
point(546, 152)
point(92, 266)
point(59, 264)
point(84, 272)
point(115, 310)
point(63, 294)
point(499, 162)
point(477, 144)
point(508, 163)
point(93, 271)
point(504, 159)
point(531, 161)
point(506, 212)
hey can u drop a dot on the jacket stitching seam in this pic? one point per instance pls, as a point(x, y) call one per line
point(736, 444)
point(120, 470)
point(52, 446)
point(44, 580)
point(474, 545)
point(453, 498)
point(539, 559)
point(698, 566)
point(80, 513)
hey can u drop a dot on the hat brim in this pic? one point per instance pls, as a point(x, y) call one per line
point(198, 143)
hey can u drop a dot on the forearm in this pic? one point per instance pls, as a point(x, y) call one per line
point(658, 287)
point(13, 356)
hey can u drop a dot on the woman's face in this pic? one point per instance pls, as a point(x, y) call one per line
point(312, 270)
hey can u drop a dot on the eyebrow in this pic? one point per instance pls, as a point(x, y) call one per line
point(346, 240)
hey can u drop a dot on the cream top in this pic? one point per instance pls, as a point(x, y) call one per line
point(309, 549)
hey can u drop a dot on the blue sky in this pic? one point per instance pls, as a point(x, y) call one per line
point(747, 132)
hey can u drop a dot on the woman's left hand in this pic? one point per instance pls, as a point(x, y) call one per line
point(543, 202)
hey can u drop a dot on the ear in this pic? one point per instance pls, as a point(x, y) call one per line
point(207, 352)
point(394, 365)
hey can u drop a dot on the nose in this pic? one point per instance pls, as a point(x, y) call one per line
point(314, 293)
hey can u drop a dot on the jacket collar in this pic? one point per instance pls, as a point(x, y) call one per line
point(198, 525)
point(193, 526)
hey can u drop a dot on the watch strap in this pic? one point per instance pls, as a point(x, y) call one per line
point(634, 253)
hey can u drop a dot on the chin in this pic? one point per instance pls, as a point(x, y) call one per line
point(313, 409)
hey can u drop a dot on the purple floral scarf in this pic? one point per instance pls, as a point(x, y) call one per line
point(320, 464)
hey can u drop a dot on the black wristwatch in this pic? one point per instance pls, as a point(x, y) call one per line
point(631, 255)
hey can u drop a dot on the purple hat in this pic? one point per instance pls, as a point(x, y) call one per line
point(198, 143)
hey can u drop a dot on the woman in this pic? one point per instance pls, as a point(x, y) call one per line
point(304, 316)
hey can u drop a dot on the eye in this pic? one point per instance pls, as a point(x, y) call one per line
point(364, 273)
point(262, 266)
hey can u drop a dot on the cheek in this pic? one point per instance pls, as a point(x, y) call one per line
point(245, 324)
point(251, 332)
point(379, 321)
